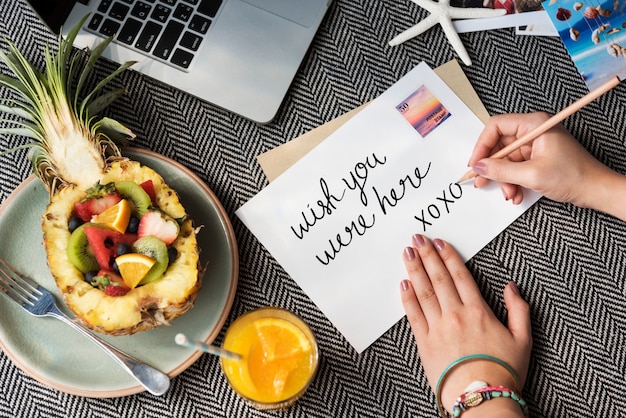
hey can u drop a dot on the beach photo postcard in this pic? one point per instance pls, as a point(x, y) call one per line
point(594, 34)
point(518, 13)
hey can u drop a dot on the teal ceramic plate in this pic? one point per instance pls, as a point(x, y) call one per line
point(58, 356)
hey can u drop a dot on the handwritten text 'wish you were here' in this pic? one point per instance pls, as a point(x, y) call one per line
point(378, 202)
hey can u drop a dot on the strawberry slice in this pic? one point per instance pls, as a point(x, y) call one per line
point(148, 187)
point(111, 283)
point(160, 225)
point(116, 290)
point(99, 198)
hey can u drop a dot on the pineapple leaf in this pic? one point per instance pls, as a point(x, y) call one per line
point(24, 83)
point(43, 167)
point(32, 130)
point(23, 131)
point(104, 100)
point(94, 55)
point(12, 83)
point(68, 146)
point(55, 84)
point(19, 110)
point(102, 83)
point(66, 46)
point(20, 147)
point(24, 113)
point(114, 130)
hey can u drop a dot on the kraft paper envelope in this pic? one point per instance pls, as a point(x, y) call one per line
point(277, 160)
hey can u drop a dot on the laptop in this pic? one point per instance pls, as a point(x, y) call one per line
point(240, 55)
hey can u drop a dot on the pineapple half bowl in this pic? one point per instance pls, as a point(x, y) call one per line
point(142, 307)
point(77, 156)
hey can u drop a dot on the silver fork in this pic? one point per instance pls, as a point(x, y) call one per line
point(38, 301)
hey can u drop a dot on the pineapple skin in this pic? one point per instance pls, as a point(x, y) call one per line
point(144, 307)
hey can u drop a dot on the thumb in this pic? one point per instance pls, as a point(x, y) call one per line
point(501, 170)
point(519, 315)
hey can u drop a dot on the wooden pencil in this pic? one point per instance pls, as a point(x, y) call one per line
point(551, 122)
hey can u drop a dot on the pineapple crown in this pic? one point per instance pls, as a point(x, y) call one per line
point(70, 144)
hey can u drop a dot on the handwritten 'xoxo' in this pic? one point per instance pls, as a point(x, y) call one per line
point(434, 210)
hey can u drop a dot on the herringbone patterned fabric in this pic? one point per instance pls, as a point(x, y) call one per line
point(568, 262)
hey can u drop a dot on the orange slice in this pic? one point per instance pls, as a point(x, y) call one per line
point(280, 338)
point(115, 217)
point(284, 346)
point(133, 267)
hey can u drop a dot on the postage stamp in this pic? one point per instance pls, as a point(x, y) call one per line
point(423, 111)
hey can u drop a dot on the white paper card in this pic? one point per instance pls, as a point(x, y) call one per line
point(339, 219)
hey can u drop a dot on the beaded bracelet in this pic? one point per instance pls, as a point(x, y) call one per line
point(465, 359)
point(475, 398)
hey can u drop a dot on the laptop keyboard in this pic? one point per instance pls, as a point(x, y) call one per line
point(170, 30)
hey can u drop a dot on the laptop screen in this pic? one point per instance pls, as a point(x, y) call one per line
point(54, 12)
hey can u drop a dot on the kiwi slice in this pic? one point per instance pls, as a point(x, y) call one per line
point(156, 249)
point(136, 194)
point(78, 251)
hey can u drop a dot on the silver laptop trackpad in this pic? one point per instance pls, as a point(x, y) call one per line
point(302, 12)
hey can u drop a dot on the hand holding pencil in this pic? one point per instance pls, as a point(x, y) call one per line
point(553, 164)
point(548, 123)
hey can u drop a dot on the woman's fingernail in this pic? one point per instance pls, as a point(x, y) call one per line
point(514, 287)
point(409, 253)
point(480, 168)
point(404, 284)
point(418, 240)
point(439, 244)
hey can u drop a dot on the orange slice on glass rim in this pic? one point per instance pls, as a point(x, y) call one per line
point(283, 345)
point(280, 338)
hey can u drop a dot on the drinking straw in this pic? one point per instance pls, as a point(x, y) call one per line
point(182, 340)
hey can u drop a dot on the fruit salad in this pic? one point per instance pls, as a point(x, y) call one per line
point(120, 238)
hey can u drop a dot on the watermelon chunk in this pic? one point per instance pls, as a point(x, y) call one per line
point(104, 242)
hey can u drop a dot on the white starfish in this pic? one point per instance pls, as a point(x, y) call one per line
point(441, 12)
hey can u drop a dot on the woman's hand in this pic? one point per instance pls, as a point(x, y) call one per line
point(450, 319)
point(554, 164)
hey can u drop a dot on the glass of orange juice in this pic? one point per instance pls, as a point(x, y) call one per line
point(279, 357)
